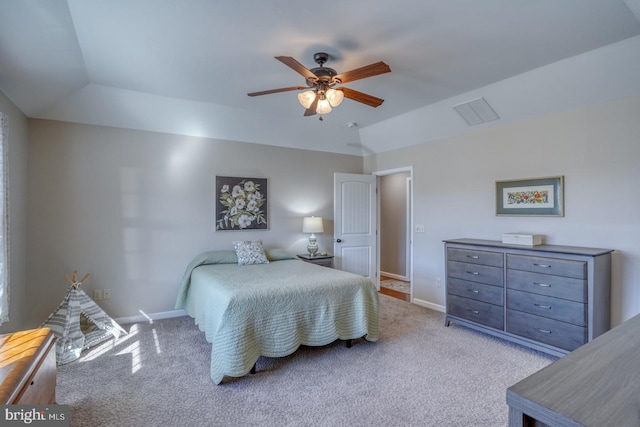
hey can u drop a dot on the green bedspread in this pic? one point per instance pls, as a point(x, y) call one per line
point(271, 309)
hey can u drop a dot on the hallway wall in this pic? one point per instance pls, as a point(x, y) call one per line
point(394, 224)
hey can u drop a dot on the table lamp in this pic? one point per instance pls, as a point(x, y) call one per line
point(312, 224)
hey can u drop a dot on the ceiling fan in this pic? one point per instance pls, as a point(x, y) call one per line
point(322, 93)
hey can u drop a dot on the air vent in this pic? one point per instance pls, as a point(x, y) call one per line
point(476, 112)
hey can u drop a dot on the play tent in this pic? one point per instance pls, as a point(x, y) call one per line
point(65, 323)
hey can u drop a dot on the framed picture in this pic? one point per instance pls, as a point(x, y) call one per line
point(532, 197)
point(241, 203)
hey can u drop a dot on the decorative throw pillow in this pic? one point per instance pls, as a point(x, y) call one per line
point(250, 252)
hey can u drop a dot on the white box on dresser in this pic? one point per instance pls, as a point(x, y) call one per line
point(522, 239)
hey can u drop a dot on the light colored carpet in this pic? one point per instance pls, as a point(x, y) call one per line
point(420, 373)
point(396, 285)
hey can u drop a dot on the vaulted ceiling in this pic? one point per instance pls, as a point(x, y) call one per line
point(186, 66)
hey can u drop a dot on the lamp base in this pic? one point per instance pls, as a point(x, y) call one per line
point(312, 247)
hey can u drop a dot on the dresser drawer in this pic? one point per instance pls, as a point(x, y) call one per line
point(476, 291)
point(544, 284)
point(556, 267)
point(476, 272)
point(553, 308)
point(476, 311)
point(495, 259)
point(553, 332)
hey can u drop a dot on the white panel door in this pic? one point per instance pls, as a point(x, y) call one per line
point(354, 216)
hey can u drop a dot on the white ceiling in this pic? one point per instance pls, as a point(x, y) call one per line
point(186, 66)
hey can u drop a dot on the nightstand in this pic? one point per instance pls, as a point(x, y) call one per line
point(323, 260)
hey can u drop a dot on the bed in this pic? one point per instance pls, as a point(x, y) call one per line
point(271, 309)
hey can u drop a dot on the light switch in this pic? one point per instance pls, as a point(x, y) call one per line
point(420, 228)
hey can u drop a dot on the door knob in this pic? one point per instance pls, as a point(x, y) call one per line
point(339, 240)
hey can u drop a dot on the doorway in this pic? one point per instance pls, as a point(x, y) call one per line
point(395, 225)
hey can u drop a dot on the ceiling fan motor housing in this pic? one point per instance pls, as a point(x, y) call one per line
point(324, 75)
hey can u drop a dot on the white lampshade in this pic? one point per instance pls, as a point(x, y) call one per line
point(334, 97)
point(312, 224)
point(306, 98)
point(323, 107)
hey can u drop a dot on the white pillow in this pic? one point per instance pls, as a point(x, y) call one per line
point(250, 252)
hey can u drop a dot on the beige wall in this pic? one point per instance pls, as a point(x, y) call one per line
point(393, 225)
point(596, 148)
point(18, 154)
point(133, 208)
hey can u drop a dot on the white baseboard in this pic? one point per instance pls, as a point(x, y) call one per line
point(394, 276)
point(144, 317)
point(427, 304)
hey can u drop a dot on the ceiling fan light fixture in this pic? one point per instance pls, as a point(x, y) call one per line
point(306, 98)
point(323, 106)
point(334, 97)
point(320, 96)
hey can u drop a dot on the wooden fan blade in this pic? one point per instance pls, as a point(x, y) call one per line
point(296, 66)
point(312, 108)
point(284, 89)
point(355, 95)
point(364, 72)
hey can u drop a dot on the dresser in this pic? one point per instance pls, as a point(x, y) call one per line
point(28, 367)
point(547, 297)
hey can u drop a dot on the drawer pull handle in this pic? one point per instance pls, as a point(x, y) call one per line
point(542, 265)
point(474, 311)
point(474, 291)
point(475, 273)
point(544, 331)
point(543, 306)
point(544, 285)
point(32, 383)
point(473, 256)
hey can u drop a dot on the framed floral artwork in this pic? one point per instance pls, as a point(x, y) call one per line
point(241, 203)
point(531, 197)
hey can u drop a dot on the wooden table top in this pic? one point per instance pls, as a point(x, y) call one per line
point(596, 385)
point(19, 354)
